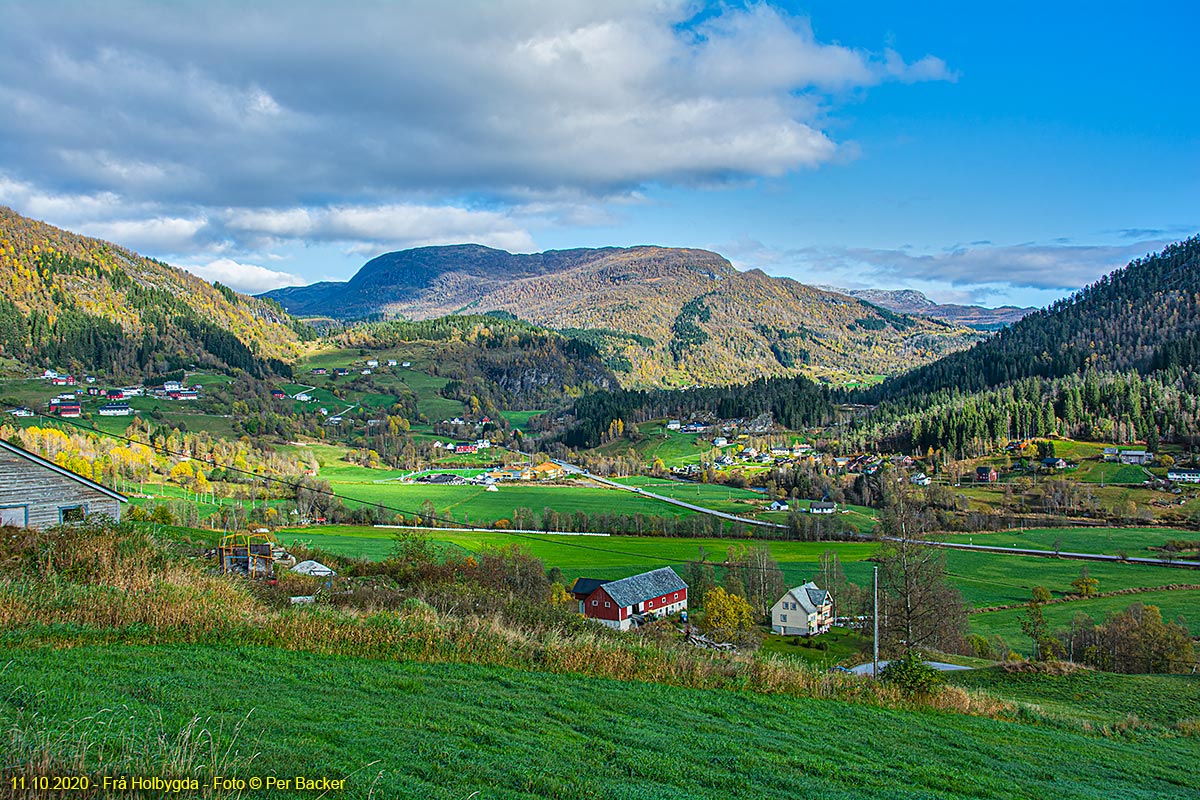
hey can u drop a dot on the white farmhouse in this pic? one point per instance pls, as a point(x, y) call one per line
point(804, 611)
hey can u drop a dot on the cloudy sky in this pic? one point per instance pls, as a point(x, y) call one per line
point(1006, 155)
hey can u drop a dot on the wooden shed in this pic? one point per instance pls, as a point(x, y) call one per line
point(36, 493)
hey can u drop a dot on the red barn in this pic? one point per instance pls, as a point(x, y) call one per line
point(620, 604)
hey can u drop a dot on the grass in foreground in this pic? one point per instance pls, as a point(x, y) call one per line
point(403, 729)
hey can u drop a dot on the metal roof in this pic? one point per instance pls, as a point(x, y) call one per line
point(633, 590)
point(585, 586)
point(810, 597)
point(50, 465)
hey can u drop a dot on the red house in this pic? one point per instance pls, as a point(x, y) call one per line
point(620, 604)
point(466, 448)
point(69, 410)
point(986, 475)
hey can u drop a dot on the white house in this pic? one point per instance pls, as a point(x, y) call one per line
point(920, 479)
point(720, 441)
point(821, 507)
point(1183, 475)
point(1138, 457)
point(804, 611)
point(391, 362)
point(374, 362)
point(778, 505)
point(673, 425)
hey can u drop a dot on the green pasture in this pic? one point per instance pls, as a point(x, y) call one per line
point(404, 729)
point(843, 646)
point(1088, 697)
point(1134, 542)
point(1183, 603)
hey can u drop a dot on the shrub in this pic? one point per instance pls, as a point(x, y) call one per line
point(911, 674)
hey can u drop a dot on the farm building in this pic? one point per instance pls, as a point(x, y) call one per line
point(37, 493)
point(804, 611)
point(778, 505)
point(1183, 475)
point(115, 410)
point(822, 507)
point(1137, 457)
point(548, 471)
point(620, 604)
point(986, 475)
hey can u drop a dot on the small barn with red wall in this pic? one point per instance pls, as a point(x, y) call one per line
point(618, 604)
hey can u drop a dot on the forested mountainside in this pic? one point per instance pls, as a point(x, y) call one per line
point(660, 317)
point(1143, 317)
point(1117, 362)
point(73, 302)
point(494, 361)
point(910, 301)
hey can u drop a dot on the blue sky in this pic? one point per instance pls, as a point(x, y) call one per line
point(999, 155)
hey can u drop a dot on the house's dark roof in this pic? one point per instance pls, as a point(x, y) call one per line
point(585, 586)
point(983, 470)
point(633, 590)
point(20, 451)
point(809, 596)
point(823, 504)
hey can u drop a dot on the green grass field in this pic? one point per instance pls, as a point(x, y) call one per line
point(1134, 542)
point(1007, 623)
point(594, 556)
point(844, 646)
point(1095, 698)
point(1110, 473)
point(403, 729)
point(987, 579)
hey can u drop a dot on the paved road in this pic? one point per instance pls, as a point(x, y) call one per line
point(867, 668)
point(1021, 551)
point(572, 468)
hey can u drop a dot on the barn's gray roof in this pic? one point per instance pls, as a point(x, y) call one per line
point(638, 588)
point(50, 465)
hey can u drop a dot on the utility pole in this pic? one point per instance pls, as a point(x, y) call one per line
point(875, 644)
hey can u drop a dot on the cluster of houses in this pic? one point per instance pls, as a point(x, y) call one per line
point(463, 447)
point(806, 610)
point(370, 365)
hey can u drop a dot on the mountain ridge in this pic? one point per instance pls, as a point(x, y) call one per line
point(680, 316)
point(912, 301)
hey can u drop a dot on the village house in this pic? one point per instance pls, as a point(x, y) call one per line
point(548, 471)
point(1054, 463)
point(319, 371)
point(513, 473)
point(822, 507)
point(1183, 475)
point(37, 493)
point(115, 410)
point(986, 475)
point(1136, 457)
point(804, 611)
point(374, 362)
point(465, 448)
point(720, 441)
point(21, 411)
point(391, 362)
point(68, 410)
point(778, 505)
point(620, 604)
point(673, 425)
point(920, 479)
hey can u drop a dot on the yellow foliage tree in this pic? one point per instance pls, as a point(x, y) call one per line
point(726, 615)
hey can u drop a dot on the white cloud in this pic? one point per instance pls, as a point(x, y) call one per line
point(267, 104)
point(1025, 274)
point(154, 235)
point(246, 278)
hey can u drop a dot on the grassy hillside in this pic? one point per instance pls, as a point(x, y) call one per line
point(78, 303)
point(396, 729)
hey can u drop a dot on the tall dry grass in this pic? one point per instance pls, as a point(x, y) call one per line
point(97, 584)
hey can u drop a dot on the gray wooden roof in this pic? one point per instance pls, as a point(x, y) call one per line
point(638, 588)
point(20, 451)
